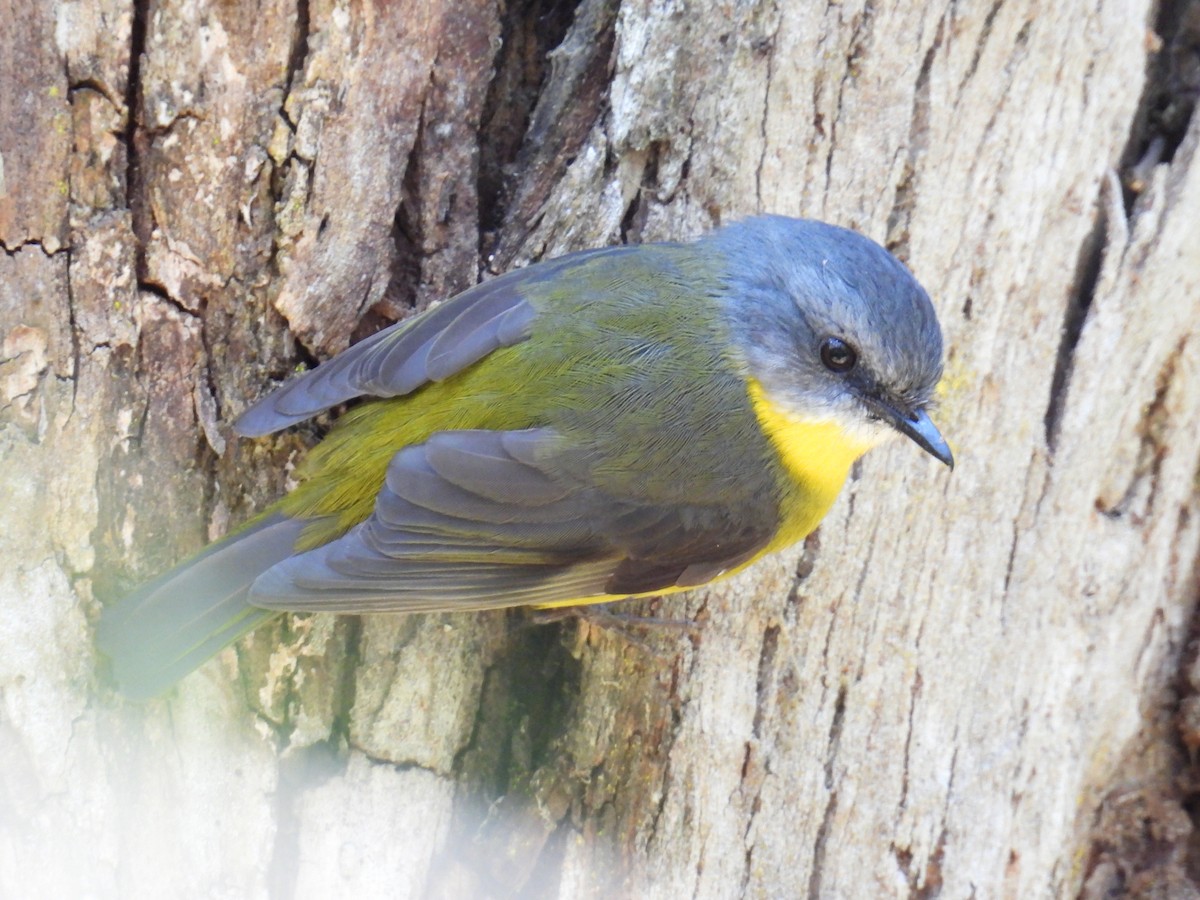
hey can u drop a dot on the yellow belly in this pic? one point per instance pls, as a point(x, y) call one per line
point(609, 598)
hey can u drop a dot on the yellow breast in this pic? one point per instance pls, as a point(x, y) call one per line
point(816, 455)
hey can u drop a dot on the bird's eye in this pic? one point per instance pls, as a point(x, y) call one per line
point(837, 355)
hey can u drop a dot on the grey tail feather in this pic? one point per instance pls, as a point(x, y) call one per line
point(176, 622)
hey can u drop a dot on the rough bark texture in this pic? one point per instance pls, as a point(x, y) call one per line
point(969, 684)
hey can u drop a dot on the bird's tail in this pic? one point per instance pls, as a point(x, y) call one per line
point(179, 620)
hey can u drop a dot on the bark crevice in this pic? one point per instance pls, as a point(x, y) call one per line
point(820, 844)
point(1088, 263)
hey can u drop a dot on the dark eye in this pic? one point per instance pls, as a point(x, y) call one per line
point(837, 355)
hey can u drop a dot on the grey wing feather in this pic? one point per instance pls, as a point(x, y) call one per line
point(499, 320)
point(483, 519)
point(429, 347)
point(399, 359)
point(489, 467)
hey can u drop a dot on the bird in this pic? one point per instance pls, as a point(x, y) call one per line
point(620, 422)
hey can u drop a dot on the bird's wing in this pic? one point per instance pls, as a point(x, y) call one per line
point(479, 519)
point(429, 347)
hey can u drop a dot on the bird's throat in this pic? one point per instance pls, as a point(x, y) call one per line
point(816, 454)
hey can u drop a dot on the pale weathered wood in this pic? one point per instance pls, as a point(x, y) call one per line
point(945, 689)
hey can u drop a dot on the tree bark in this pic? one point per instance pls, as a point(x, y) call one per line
point(977, 683)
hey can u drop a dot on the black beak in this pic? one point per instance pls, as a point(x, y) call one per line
point(918, 426)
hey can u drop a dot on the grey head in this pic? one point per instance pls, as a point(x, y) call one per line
point(834, 327)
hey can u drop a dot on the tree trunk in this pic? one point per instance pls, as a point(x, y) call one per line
point(969, 683)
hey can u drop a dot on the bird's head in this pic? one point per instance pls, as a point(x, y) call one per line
point(834, 328)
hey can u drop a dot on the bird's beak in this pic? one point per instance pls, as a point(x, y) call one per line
point(918, 426)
